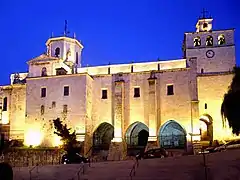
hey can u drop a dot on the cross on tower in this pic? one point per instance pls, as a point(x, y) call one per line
point(66, 32)
point(204, 13)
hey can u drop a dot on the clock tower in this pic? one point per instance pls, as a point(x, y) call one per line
point(214, 49)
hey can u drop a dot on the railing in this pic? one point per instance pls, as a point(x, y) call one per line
point(89, 157)
point(134, 168)
point(31, 170)
point(80, 172)
point(89, 150)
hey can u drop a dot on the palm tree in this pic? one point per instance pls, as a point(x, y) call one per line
point(230, 109)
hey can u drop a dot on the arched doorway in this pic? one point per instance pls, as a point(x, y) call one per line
point(102, 137)
point(137, 137)
point(206, 128)
point(172, 136)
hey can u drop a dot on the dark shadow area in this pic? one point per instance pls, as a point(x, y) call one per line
point(136, 138)
point(102, 137)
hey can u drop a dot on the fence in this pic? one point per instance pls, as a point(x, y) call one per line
point(173, 141)
point(31, 157)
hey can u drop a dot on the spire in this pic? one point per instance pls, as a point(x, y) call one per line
point(66, 32)
point(74, 35)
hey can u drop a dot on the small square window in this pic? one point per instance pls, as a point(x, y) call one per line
point(53, 104)
point(42, 110)
point(5, 104)
point(137, 92)
point(43, 92)
point(65, 108)
point(104, 94)
point(66, 91)
point(170, 90)
point(205, 106)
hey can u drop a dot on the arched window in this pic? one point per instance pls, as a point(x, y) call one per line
point(57, 52)
point(209, 41)
point(221, 39)
point(42, 109)
point(44, 71)
point(197, 41)
point(76, 57)
point(5, 104)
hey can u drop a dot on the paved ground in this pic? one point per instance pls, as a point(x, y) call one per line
point(220, 166)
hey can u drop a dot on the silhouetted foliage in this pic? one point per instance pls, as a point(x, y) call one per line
point(230, 109)
point(68, 139)
point(6, 171)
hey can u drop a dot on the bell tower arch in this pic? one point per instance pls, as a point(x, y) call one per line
point(214, 49)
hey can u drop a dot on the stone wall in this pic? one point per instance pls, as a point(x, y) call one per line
point(211, 90)
point(53, 105)
point(32, 157)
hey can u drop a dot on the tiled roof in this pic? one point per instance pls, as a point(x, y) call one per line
point(42, 57)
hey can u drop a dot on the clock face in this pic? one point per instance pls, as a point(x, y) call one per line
point(210, 53)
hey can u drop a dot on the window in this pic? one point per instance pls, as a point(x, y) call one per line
point(61, 71)
point(53, 104)
point(197, 41)
point(205, 106)
point(205, 25)
point(42, 109)
point(104, 94)
point(202, 70)
point(65, 108)
point(43, 92)
point(76, 57)
point(5, 104)
point(137, 92)
point(66, 91)
point(221, 39)
point(170, 90)
point(57, 52)
point(44, 71)
point(209, 41)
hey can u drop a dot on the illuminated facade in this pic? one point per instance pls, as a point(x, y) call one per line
point(166, 103)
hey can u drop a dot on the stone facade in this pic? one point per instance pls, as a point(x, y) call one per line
point(164, 100)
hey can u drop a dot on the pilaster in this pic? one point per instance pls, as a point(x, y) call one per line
point(117, 150)
point(118, 111)
point(152, 119)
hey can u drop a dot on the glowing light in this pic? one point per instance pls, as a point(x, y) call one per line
point(5, 119)
point(57, 141)
point(117, 139)
point(33, 137)
point(152, 132)
point(118, 132)
point(152, 138)
point(203, 126)
point(80, 138)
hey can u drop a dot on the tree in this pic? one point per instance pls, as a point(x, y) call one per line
point(69, 139)
point(230, 109)
point(6, 171)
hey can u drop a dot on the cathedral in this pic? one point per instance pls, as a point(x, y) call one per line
point(167, 104)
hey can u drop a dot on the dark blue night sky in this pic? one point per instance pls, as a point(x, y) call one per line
point(116, 31)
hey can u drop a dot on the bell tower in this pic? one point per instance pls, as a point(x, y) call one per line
point(214, 49)
point(204, 23)
point(66, 48)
